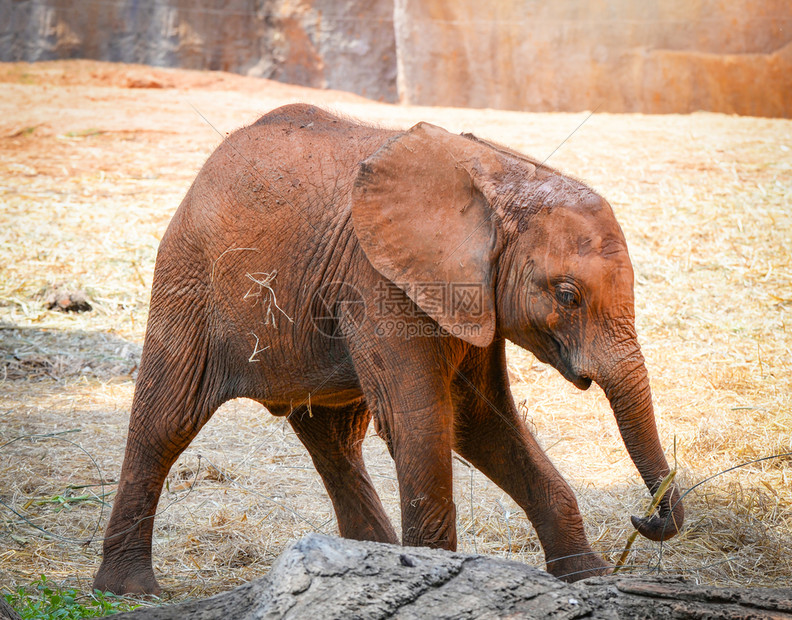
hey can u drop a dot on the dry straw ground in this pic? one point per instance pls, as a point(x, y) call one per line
point(95, 158)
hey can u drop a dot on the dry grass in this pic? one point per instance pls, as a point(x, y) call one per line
point(89, 176)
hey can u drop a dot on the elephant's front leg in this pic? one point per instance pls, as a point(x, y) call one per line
point(492, 436)
point(421, 438)
point(406, 384)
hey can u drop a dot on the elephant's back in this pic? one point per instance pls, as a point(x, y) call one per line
point(294, 167)
point(273, 198)
point(265, 220)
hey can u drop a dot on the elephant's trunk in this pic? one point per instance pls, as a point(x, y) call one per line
point(626, 384)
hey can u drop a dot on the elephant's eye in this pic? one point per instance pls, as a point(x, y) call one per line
point(567, 295)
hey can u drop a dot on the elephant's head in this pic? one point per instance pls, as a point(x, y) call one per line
point(545, 254)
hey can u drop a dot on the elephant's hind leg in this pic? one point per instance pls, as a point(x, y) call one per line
point(334, 437)
point(179, 386)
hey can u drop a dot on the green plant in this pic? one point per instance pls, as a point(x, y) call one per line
point(45, 600)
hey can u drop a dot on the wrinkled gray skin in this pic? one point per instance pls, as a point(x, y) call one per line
point(378, 274)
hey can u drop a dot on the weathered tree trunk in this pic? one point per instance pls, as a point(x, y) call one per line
point(7, 612)
point(323, 577)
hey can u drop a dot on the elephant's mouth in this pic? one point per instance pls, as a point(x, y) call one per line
point(561, 363)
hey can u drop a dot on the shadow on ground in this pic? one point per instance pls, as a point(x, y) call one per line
point(32, 354)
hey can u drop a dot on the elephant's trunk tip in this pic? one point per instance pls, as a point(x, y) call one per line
point(666, 523)
point(654, 528)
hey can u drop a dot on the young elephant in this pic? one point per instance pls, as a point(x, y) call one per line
point(336, 272)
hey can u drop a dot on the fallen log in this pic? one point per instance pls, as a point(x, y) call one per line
point(7, 612)
point(321, 577)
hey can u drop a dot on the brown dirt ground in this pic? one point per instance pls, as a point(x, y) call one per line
point(94, 159)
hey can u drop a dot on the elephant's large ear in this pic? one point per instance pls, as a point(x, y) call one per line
point(423, 224)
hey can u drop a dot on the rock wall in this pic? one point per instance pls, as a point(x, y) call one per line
point(340, 44)
point(732, 56)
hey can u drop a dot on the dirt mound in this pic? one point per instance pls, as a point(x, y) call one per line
point(93, 73)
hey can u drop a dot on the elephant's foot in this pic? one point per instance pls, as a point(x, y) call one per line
point(579, 566)
point(126, 579)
